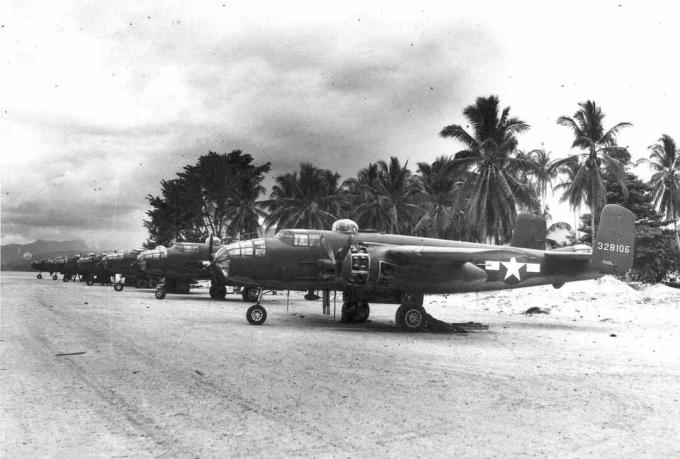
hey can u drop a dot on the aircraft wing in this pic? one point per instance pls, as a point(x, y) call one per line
point(416, 262)
point(414, 255)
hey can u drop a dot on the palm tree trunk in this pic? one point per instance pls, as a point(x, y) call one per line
point(675, 222)
point(592, 217)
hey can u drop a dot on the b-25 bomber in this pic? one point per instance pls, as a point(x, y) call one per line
point(125, 269)
point(181, 264)
point(92, 271)
point(386, 268)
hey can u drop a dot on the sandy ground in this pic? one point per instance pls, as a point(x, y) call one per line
point(188, 377)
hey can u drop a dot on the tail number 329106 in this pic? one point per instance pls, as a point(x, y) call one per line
point(611, 247)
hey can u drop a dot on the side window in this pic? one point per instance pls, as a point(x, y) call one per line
point(301, 240)
point(260, 247)
point(246, 248)
point(314, 240)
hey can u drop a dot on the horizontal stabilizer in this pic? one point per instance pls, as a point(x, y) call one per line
point(615, 244)
point(568, 256)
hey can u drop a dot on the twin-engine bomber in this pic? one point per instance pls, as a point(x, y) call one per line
point(375, 267)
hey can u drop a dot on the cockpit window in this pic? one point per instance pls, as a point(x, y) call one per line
point(301, 240)
point(186, 247)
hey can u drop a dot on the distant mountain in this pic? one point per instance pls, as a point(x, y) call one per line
point(12, 255)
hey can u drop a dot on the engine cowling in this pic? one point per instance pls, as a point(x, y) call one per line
point(365, 266)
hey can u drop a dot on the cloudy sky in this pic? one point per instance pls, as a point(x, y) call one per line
point(101, 100)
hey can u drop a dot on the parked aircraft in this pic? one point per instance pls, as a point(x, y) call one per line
point(91, 270)
point(40, 266)
point(386, 268)
point(182, 264)
point(125, 270)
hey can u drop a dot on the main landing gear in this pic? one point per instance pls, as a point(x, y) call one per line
point(55, 277)
point(39, 276)
point(354, 310)
point(251, 294)
point(411, 315)
point(218, 292)
point(256, 314)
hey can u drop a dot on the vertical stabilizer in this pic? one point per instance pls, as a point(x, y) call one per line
point(615, 245)
point(529, 232)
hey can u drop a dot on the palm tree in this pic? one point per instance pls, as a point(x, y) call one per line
point(244, 212)
point(386, 197)
point(309, 198)
point(599, 154)
point(543, 178)
point(441, 197)
point(665, 163)
point(490, 154)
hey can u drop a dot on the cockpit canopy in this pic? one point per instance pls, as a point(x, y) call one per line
point(345, 226)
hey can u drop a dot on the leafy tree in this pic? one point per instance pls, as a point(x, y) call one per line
point(599, 154)
point(217, 195)
point(496, 190)
point(308, 198)
point(386, 194)
point(656, 253)
point(664, 161)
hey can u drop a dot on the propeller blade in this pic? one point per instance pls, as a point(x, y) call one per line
point(329, 249)
point(343, 252)
point(210, 248)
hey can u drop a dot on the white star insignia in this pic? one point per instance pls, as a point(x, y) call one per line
point(512, 268)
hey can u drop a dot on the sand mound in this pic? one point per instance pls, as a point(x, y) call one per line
point(661, 290)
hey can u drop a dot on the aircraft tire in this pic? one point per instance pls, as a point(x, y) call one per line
point(160, 293)
point(89, 280)
point(118, 286)
point(256, 314)
point(39, 276)
point(410, 318)
point(360, 313)
point(218, 292)
point(345, 315)
point(250, 293)
point(66, 278)
point(55, 277)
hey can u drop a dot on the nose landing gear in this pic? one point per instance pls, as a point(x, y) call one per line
point(256, 314)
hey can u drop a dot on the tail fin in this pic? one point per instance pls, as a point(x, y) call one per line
point(529, 232)
point(615, 245)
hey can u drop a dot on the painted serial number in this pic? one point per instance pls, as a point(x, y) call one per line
point(611, 247)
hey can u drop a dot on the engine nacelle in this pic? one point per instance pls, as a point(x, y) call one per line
point(365, 267)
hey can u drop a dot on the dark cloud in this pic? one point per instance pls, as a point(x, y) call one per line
point(340, 94)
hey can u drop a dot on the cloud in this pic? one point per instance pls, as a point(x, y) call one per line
point(100, 101)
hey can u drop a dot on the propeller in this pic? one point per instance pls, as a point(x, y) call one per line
point(342, 253)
